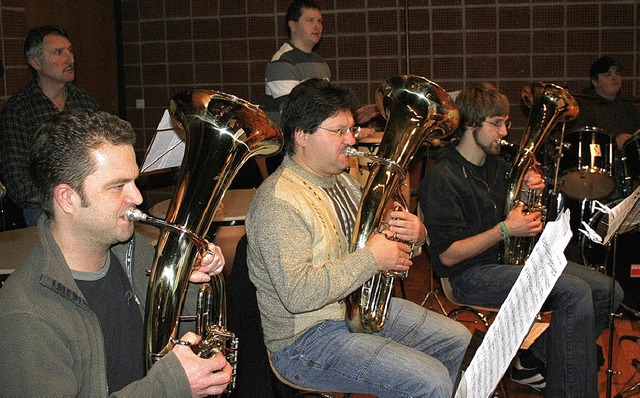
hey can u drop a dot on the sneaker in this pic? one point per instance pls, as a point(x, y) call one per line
point(531, 377)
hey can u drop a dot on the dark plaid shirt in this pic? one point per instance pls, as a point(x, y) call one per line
point(20, 118)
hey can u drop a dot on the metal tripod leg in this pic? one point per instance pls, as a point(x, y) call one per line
point(434, 293)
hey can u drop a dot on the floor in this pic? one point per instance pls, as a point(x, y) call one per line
point(417, 285)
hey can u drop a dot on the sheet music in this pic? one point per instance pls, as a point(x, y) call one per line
point(624, 216)
point(518, 312)
point(167, 147)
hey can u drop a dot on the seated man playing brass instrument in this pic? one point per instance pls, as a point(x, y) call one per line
point(71, 316)
point(463, 197)
point(298, 227)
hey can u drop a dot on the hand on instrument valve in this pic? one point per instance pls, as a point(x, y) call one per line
point(533, 180)
point(212, 263)
point(389, 255)
point(522, 224)
point(406, 226)
point(207, 376)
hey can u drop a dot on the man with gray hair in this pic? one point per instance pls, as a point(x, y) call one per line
point(49, 54)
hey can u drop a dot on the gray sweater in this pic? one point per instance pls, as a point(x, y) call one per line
point(298, 256)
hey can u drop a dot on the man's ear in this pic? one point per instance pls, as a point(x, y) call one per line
point(34, 63)
point(300, 137)
point(66, 197)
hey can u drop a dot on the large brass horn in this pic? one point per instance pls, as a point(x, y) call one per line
point(221, 133)
point(417, 110)
point(549, 104)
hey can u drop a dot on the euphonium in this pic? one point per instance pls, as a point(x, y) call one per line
point(417, 110)
point(549, 104)
point(221, 133)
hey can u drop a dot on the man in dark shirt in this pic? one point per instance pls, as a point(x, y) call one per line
point(602, 104)
point(463, 198)
point(49, 54)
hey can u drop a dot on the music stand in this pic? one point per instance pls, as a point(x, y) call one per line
point(623, 218)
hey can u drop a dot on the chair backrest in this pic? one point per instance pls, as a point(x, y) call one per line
point(254, 376)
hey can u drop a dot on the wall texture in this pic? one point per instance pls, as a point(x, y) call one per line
point(174, 45)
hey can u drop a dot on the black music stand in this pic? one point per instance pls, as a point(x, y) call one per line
point(626, 219)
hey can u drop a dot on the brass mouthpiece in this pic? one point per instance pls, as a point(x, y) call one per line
point(136, 215)
point(350, 151)
point(505, 143)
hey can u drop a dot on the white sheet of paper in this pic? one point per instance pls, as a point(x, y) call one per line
point(167, 147)
point(624, 216)
point(518, 312)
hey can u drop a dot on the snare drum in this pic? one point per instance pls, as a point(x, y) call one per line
point(587, 164)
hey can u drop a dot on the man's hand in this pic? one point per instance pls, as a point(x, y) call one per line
point(533, 180)
point(406, 226)
point(621, 139)
point(206, 376)
point(526, 225)
point(365, 113)
point(212, 263)
point(389, 255)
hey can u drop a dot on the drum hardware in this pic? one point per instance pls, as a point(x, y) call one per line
point(587, 164)
point(630, 160)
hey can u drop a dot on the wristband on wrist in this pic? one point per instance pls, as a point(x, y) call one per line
point(504, 232)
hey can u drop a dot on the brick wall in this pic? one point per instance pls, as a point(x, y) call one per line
point(173, 45)
point(12, 32)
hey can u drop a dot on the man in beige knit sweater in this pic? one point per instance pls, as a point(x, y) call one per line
point(298, 229)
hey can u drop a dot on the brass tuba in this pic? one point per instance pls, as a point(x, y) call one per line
point(417, 110)
point(221, 133)
point(549, 104)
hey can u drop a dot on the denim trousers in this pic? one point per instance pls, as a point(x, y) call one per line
point(32, 213)
point(580, 304)
point(417, 354)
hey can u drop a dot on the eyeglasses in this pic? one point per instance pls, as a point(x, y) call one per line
point(344, 131)
point(500, 124)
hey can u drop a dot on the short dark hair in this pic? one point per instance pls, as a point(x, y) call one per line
point(35, 38)
point(478, 101)
point(309, 104)
point(602, 65)
point(61, 151)
point(295, 11)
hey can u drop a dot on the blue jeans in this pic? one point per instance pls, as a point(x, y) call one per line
point(32, 213)
point(417, 354)
point(580, 304)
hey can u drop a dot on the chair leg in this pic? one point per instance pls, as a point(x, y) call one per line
point(485, 319)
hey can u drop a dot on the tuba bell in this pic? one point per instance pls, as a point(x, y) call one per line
point(417, 110)
point(221, 133)
point(549, 104)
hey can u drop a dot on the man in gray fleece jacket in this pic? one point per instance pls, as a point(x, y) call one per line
point(298, 229)
point(71, 315)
